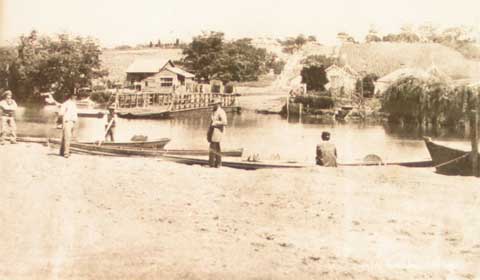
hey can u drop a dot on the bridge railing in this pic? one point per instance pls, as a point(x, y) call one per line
point(175, 102)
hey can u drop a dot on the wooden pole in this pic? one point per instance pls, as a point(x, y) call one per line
point(300, 108)
point(474, 137)
point(288, 105)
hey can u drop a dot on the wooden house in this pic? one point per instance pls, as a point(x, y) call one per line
point(158, 75)
point(341, 80)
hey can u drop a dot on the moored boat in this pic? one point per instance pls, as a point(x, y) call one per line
point(238, 164)
point(450, 161)
point(142, 151)
point(150, 144)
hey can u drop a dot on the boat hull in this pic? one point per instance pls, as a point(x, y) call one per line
point(449, 161)
point(145, 115)
point(153, 144)
point(246, 165)
point(142, 151)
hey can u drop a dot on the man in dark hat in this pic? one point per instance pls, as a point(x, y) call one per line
point(326, 152)
point(215, 133)
point(8, 106)
point(68, 111)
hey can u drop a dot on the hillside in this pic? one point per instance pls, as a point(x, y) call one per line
point(379, 58)
point(383, 58)
point(117, 61)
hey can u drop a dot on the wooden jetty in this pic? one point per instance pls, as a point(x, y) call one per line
point(163, 105)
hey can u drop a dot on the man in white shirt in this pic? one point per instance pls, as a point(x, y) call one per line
point(111, 123)
point(68, 111)
point(8, 106)
point(326, 152)
point(215, 133)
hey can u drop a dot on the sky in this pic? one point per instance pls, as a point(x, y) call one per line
point(117, 22)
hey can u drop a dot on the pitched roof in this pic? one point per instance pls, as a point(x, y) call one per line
point(345, 68)
point(181, 72)
point(149, 65)
point(404, 72)
point(383, 57)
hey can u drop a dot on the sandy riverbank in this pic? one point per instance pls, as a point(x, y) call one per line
point(132, 218)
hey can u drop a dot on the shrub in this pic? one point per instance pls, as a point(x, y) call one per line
point(315, 102)
point(101, 97)
point(229, 88)
point(414, 100)
point(216, 88)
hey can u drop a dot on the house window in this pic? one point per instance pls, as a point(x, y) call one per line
point(166, 82)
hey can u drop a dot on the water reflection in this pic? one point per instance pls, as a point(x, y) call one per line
point(267, 135)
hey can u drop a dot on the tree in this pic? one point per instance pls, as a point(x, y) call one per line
point(315, 77)
point(60, 63)
point(368, 82)
point(7, 59)
point(319, 60)
point(427, 32)
point(210, 57)
point(372, 35)
point(275, 63)
point(202, 54)
point(150, 45)
point(312, 38)
point(345, 38)
point(292, 44)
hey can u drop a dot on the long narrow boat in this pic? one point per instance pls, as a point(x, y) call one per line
point(418, 164)
point(450, 161)
point(150, 144)
point(144, 152)
point(238, 164)
point(145, 113)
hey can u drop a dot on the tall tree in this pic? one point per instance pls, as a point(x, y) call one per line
point(315, 77)
point(60, 63)
point(210, 57)
point(202, 54)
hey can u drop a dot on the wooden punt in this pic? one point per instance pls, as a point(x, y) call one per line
point(150, 144)
point(144, 152)
point(238, 164)
point(419, 164)
point(450, 161)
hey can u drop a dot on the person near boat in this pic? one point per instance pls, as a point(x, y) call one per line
point(69, 114)
point(326, 152)
point(111, 124)
point(215, 134)
point(8, 129)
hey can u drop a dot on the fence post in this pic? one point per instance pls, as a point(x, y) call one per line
point(474, 137)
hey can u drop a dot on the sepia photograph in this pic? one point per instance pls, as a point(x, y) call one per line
point(222, 139)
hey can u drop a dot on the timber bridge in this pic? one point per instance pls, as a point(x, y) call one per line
point(163, 105)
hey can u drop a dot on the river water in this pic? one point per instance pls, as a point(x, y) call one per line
point(270, 136)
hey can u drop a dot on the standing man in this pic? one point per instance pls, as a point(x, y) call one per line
point(111, 123)
point(326, 152)
point(215, 133)
point(68, 111)
point(8, 107)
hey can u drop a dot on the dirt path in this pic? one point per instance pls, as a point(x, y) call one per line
point(131, 218)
